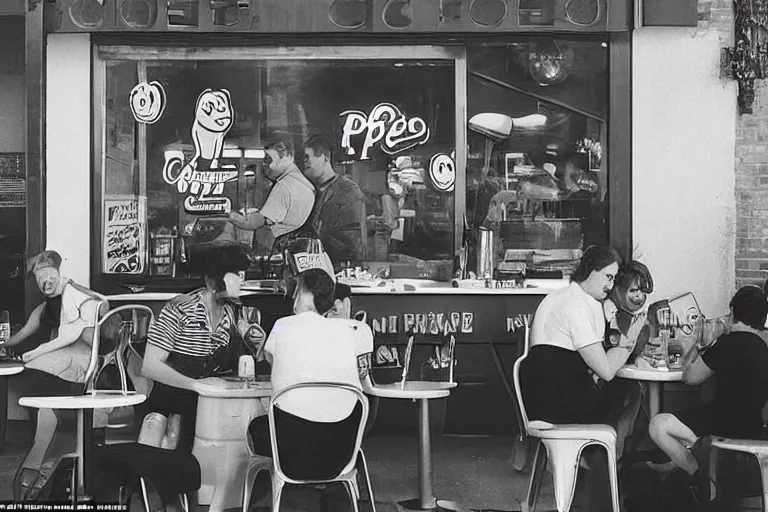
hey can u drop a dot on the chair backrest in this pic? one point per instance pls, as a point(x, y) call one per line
point(128, 322)
point(516, 372)
point(449, 345)
point(274, 402)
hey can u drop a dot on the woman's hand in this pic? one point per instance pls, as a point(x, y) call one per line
point(209, 383)
point(638, 322)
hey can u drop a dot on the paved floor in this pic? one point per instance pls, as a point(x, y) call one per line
point(473, 471)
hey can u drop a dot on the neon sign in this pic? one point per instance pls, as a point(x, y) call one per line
point(385, 124)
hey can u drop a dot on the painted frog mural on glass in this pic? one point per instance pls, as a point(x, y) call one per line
point(202, 176)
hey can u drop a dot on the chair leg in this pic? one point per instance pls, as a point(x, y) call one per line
point(184, 502)
point(353, 494)
point(250, 479)
point(537, 473)
point(367, 476)
point(144, 494)
point(763, 461)
point(277, 492)
point(613, 475)
point(565, 463)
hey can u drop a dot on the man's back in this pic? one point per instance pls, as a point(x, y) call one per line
point(338, 215)
point(740, 363)
point(310, 348)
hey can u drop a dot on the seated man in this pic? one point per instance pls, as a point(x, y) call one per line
point(69, 313)
point(317, 426)
point(739, 359)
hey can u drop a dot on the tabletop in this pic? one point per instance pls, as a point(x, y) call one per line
point(413, 389)
point(237, 389)
point(98, 400)
point(631, 371)
point(11, 368)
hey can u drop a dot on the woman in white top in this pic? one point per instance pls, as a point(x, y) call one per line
point(568, 376)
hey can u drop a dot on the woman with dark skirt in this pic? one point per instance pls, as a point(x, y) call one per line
point(568, 376)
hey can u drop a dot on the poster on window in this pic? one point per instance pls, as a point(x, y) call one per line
point(123, 245)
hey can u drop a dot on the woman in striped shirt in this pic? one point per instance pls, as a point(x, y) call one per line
point(189, 342)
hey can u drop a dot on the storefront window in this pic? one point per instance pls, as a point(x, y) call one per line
point(536, 169)
point(184, 144)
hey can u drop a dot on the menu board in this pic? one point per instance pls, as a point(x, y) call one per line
point(123, 245)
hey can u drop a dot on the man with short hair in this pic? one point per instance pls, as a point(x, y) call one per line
point(289, 202)
point(739, 359)
point(309, 347)
point(338, 215)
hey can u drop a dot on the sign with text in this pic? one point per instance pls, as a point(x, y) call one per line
point(384, 125)
point(123, 245)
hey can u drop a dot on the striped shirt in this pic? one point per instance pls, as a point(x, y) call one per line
point(183, 326)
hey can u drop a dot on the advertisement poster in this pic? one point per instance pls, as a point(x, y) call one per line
point(124, 240)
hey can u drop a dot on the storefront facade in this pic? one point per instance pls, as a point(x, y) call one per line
point(294, 80)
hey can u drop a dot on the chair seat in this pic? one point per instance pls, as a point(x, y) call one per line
point(544, 430)
point(741, 445)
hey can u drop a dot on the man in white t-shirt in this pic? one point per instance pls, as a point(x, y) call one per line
point(309, 347)
point(289, 202)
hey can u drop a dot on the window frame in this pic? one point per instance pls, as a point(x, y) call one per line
point(141, 54)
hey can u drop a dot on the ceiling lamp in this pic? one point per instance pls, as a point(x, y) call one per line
point(549, 63)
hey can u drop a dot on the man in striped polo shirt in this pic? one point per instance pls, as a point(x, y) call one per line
point(189, 342)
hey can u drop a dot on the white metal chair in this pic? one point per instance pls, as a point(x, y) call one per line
point(747, 446)
point(563, 445)
point(347, 476)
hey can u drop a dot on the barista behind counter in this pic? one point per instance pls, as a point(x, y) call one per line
point(289, 203)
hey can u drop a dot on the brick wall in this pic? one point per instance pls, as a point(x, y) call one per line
point(751, 163)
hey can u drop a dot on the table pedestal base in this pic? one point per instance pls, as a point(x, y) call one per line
point(415, 505)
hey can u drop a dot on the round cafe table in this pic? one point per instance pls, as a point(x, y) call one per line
point(7, 369)
point(84, 405)
point(423, 392)
point(655, 377)
point(223, 416)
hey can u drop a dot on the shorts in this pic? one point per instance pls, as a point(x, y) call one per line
point(69, 363)
point(710, 420)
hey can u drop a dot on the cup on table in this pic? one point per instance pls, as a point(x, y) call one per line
point(246, 368)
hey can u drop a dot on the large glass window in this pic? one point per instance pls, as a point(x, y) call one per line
point(537, 174)
point(184, 138)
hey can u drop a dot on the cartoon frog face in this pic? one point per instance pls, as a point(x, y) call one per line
point(147, 102)
point(214, 110)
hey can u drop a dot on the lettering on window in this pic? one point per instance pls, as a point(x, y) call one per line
point(385, 125)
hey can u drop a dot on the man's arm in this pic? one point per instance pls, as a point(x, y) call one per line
point(251, 221)
point(364, 370)
point(695, 370)
point(156, 368)
point(68, 333)
point(32, 325)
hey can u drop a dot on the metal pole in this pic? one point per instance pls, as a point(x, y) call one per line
point(425, 458)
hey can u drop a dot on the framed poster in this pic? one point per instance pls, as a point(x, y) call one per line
point(124, 245)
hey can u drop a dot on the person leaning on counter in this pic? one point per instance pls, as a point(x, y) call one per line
point(189, 342)
point(338, 215)
point(289, 202)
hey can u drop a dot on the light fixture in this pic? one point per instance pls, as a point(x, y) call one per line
point(530, 122)
point(549, 63)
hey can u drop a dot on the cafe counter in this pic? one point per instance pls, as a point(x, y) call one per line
point(487, 324)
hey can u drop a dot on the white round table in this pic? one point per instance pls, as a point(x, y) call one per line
point(221, 425)
point(82, 403)
point(423, 392)
point(6, 370)
point(655, 377)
